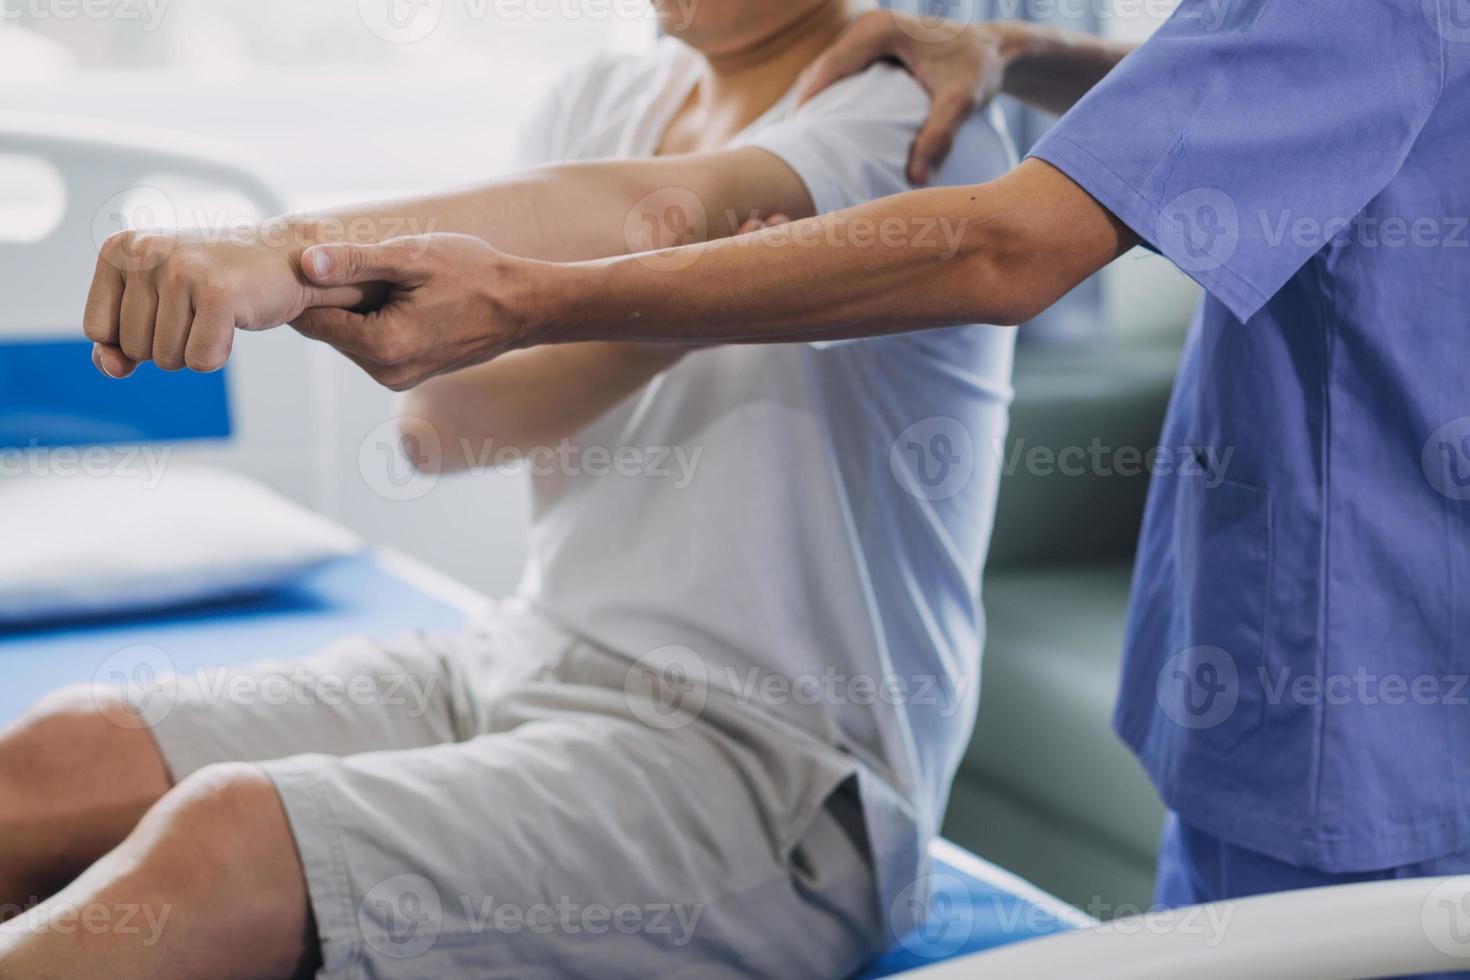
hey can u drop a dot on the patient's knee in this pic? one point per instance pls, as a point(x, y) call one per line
point(218, 847)
point(220, 844)
point(36, 748)
point(224, 822)
point(74, 746)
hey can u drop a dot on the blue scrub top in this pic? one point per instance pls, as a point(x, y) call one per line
point(1297, 677)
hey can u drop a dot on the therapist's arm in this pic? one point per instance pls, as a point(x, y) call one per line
point(999, 252)
point(964, 66)
point(1018, 245)
point(177, 299)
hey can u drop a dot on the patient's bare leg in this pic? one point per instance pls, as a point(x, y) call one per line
point(207, 885)
point(73, 783)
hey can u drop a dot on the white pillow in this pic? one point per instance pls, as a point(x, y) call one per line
point(80, 545)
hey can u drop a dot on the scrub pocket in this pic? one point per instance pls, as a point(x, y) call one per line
point(1217, 685)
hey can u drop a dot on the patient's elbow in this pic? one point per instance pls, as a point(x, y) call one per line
point(421, 435)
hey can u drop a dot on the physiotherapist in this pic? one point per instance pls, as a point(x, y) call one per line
point(1300, 622)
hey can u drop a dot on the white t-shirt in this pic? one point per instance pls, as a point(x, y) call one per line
point(802, 524)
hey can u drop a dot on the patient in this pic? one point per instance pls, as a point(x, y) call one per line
point(713, 731)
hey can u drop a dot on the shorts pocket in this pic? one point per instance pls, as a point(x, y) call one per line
point(834, 827)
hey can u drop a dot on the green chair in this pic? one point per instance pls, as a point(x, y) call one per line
point(1046, 789)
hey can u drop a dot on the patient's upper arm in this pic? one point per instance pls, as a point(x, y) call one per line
point(706, 196)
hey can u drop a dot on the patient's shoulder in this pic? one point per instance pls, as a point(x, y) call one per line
point(885, 95)
point(850, 143)
point(881, 90)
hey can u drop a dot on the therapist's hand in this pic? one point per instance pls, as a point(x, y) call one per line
point(960, 65)
point(177, 298)
point(453, 301)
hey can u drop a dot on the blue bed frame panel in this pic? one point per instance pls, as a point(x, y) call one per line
point(966, 915)
point(51, 395)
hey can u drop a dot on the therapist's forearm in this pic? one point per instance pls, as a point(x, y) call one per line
point(770, 289)
point(1051, 69)
point(994, 253)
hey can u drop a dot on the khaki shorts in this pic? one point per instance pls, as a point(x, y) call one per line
point(503, 803)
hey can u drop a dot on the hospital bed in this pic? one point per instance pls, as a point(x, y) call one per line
point(976, 912)
point(975, 905)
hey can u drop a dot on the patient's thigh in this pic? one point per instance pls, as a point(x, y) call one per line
point(580, 842)
point(358, 695)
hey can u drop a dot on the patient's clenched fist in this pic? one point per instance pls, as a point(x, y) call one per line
point(177, 298)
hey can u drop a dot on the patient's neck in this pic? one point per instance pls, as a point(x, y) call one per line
point(741, 82)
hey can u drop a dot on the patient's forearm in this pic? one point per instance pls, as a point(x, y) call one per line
point(534, 214)
point(528, 399)
point(587, 210)
point(1052, 69)
point(995, 253)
